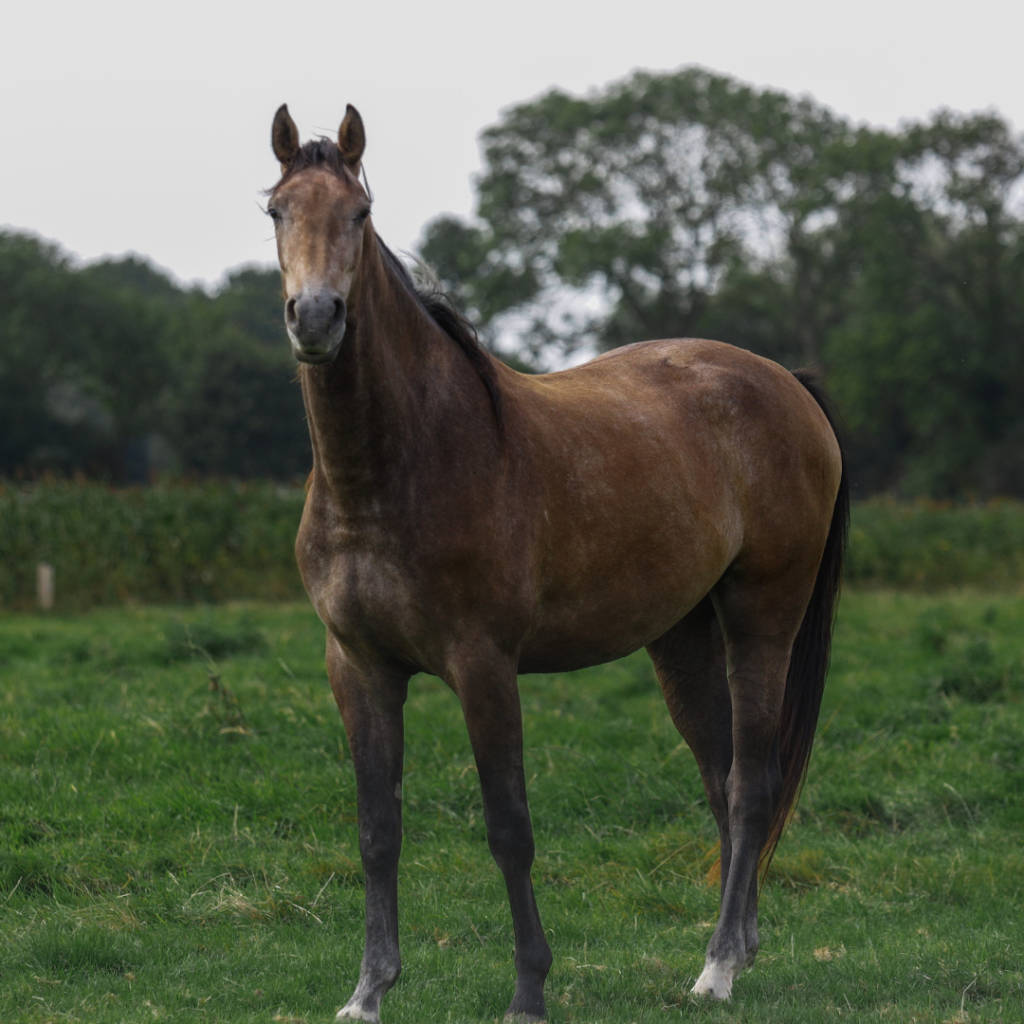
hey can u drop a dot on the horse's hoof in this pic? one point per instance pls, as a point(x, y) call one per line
point(523, 1018)
point(715, 982)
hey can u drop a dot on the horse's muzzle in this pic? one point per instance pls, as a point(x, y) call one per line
point(315, 356)
point(316, 325)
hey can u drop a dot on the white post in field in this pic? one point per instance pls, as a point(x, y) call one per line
point(44, 585)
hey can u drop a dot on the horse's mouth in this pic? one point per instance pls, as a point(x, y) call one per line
point(315, 358)
point(317, 355)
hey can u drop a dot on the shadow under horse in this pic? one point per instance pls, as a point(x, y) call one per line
point(472, 522)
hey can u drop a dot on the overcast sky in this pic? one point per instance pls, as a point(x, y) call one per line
point(131, 126)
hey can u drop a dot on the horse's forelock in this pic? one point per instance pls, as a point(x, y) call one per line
point(318, 152)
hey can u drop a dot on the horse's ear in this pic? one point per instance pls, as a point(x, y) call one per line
point(284, 137)
point(351, 138)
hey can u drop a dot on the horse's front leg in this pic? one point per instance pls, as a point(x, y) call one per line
point(370, 700)
point(489, 694)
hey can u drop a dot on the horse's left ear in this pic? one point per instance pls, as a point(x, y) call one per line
point(284, 137)
point(352, 139)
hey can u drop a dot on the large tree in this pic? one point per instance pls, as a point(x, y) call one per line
point(620, 216)
point(927, 358)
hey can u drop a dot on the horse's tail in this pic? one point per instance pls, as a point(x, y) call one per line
point(808, 664)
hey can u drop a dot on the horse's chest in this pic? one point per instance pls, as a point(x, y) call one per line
point(363, 593)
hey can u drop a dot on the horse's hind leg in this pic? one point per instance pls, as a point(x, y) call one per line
point(758, 626)
point(690, 664)
point(489, 695)
point(370, 701)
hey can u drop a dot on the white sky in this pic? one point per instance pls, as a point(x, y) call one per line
point(129, 126)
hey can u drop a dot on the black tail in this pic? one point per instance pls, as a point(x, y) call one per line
point(812, 648)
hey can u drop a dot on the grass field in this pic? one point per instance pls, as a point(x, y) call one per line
point(173, 851)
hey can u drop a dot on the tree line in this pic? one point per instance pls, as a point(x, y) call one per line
point(115, 372)
point(665, 205)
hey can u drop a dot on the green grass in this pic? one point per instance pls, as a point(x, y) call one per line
point(176, 849)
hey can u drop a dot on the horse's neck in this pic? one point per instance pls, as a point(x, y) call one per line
point(375, 413)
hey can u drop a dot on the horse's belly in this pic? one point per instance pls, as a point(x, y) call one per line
point(570, 649)
point(567, 654)
point(610, 619)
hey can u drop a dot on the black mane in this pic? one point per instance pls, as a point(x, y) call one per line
point(438, 306)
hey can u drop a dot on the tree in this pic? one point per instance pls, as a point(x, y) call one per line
point(114, 371)
point(620, 216)
point(80, 361)
point(929, 359)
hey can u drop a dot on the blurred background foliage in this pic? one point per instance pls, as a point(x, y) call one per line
point(115, 372)
point(670, 204)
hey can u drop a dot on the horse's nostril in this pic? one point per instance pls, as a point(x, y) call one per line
point(339, 310)
point(289, 311)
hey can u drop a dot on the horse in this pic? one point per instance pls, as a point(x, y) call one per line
point(474, 523)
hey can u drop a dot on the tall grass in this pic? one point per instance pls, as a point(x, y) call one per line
point(181, 543)
point(212, 542)
point(929, 544)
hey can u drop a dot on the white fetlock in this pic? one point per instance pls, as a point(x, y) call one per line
point(716, 981)
point(354, 1011)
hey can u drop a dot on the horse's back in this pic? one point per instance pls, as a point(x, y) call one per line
point(745, 426)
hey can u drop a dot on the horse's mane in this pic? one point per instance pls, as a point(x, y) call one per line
point(439, 307)
point(323, 152)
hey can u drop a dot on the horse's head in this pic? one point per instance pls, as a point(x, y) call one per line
point(320, 214)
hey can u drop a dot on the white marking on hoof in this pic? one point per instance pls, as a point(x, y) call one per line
point(715, 981)
point(353, 1011)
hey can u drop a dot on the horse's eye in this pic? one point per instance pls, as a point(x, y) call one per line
point(273, 214)
point(361, 216)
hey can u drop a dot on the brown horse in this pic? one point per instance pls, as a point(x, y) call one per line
point(474, 523)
